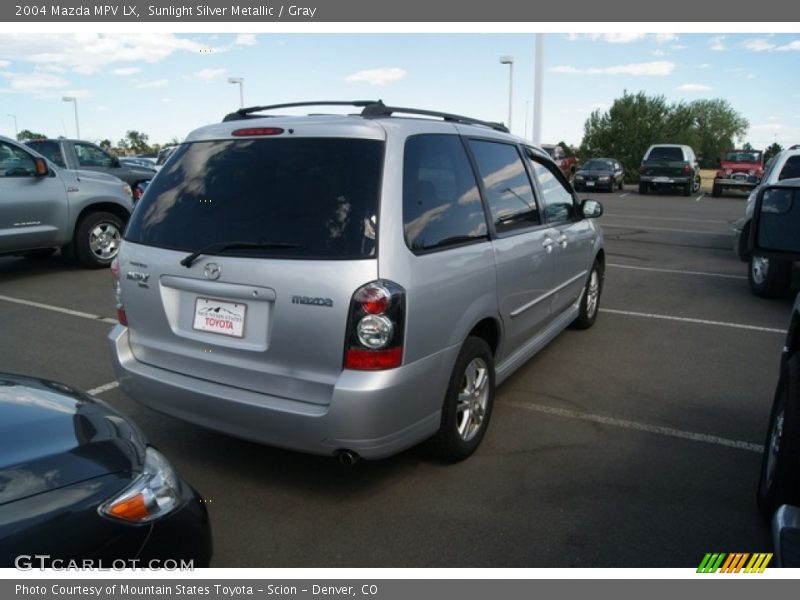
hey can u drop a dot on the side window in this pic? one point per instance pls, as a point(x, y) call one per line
point(50, 151)
point(791, 168)
point(508, 189)
point(441, 203)
point(91, 156)
point(556, 199)
point(15, 162)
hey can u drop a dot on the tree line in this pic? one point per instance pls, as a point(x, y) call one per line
point(134, 142)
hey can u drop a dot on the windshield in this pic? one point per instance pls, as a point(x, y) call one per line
point(597, 165)
point(288, 198)
point(753, 156)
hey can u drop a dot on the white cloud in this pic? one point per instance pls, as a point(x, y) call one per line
point(758, 45)
point(717, 43)
point(650, 69)
point(102, 108)
point(679, 46)
point(125, 71)
point(623, 37)
point(208, 74)
point(383, 76)
point(4, 63)
point(245, 39)
point(659, 53)
point(694, 87)
point(149, 85)
point(86, 52)
point(78, 93)
point(703, 66)
point(761, 45)
point(36, 82)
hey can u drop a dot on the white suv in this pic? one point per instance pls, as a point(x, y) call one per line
point(768, 278)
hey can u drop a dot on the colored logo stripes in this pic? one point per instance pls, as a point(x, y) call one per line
point(734, 563)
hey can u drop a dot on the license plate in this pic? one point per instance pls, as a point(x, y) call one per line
point(217, 316)
point(590, 184)
point(662, 180)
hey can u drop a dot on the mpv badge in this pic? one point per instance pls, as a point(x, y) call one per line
point(212, 271)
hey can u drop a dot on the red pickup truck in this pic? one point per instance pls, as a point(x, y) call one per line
point(739, 169)
point(567, 164)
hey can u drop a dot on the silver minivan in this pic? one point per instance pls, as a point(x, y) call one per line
point(349, 285)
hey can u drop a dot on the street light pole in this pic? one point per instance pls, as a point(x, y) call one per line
point(16, 129)
point(74, 100)
point(240, 81)
point(537, 89)
point(509, 60)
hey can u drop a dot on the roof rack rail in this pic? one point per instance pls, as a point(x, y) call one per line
point(379, 109)
point(371, 109)
point(248, 113)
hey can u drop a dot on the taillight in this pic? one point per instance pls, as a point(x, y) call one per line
point(248, 131)
point(116, 283)
point(687, 169)
point(721, 173)
point(375, 326)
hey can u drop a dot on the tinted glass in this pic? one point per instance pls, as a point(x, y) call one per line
point(598, 165)
point(556, 199)
point(791, 168)
point(508, 189)
point(316, 197)
point(665, 153)
point(441, 202)
point(91, 156)
point(779, 219)
point(743, 156)
point(50, 150)
point(15, 163)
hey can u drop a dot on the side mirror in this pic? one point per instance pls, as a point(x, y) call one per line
point(591, 209)
point(114, 161)
point(776, 221)
point(41, 167)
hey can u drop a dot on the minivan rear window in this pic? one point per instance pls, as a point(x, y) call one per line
point(297, 198)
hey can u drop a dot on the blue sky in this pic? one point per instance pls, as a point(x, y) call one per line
point(166, 84)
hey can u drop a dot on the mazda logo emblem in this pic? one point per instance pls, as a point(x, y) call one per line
point(212, 271)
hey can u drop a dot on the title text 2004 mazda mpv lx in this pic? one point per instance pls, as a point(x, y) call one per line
point(349, 284)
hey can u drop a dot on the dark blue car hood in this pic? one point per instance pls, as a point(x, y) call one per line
point(52, 436)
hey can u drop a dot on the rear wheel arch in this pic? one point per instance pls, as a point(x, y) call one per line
point(488, 330)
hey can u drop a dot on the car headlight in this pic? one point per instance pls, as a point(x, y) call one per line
point(604, 178)
point(127, 189)
point(580, 177)
point(153, 494)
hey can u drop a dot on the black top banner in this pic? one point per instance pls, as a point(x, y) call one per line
point(441, 11)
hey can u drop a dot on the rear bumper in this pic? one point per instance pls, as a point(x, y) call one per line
point(372, 413)
point(737, 183)
point(665, 180)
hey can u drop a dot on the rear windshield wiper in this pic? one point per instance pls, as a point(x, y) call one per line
point(224, 246)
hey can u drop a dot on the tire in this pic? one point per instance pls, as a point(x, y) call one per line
point(716, 190)
point(687, 189)
point(621, 185)
point(643, 189)
point(468, 402)
point(97, 239)
point(779, 480)
point(590, 299)
point(697, 183)
point(768, 277)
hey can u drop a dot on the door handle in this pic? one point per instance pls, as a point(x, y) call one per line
point(548, 244)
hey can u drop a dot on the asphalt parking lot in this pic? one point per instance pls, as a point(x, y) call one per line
point(635, 443)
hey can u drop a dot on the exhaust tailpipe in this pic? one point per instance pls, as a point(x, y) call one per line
point(347, 457)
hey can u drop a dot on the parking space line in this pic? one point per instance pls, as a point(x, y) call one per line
point(630, 313)
point(103, 388)
point(625, 194)
point(676, 271)
point(699, 198)
point(648, 228)
point(652, 218)
point(59, 309)
point(634, 425)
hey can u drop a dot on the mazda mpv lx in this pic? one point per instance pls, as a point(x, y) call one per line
point(349, 285)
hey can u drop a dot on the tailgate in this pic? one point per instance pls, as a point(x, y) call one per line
point(269, 326)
